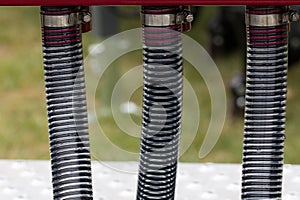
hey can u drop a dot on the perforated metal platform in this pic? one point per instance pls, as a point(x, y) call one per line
point(31, 180)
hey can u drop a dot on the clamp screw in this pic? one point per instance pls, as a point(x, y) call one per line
point(189, 17)
point(86, 17)
point(294, 16)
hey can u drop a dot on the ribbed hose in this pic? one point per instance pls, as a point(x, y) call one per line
point(66, 106)
point(162, 105)
point(265, 107)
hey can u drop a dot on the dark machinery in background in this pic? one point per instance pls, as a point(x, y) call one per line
point(227, 34)
point(227, 30)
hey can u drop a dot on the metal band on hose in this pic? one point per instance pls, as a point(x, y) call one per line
point(60, 21)
point(183, 17)
point(267, 20)
point(159, 20)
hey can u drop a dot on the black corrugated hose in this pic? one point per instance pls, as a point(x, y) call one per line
point(162, 106)
point(66, 105)
point(266, 88)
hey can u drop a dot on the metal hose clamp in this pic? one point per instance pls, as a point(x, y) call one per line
point(66, 20)
point(183, 18)
point(55, 21)
point(271, 19)
point(159, 19)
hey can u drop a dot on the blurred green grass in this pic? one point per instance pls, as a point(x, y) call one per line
point(23, 118)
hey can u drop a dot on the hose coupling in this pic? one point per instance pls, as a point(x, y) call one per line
point(262, 19)
point(183, 18)
point(79, 16)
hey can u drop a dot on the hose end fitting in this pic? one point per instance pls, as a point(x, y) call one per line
point(182, 17)
point(79, 15)
point(264, 19)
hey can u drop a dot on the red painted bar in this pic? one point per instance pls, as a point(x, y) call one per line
point(144, 2)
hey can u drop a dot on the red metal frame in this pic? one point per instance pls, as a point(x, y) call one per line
point(144, 2)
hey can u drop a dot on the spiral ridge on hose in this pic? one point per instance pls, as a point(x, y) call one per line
point(67, 111)
point(266, 88)
point(162, 106)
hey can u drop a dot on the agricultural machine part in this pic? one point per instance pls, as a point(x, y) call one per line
point(266, 87)
point(162, 103)
point(66, 100)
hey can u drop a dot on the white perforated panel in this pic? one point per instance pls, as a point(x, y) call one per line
point(31, 180)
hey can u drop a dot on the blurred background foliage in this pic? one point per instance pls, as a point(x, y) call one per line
point(23, 118)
